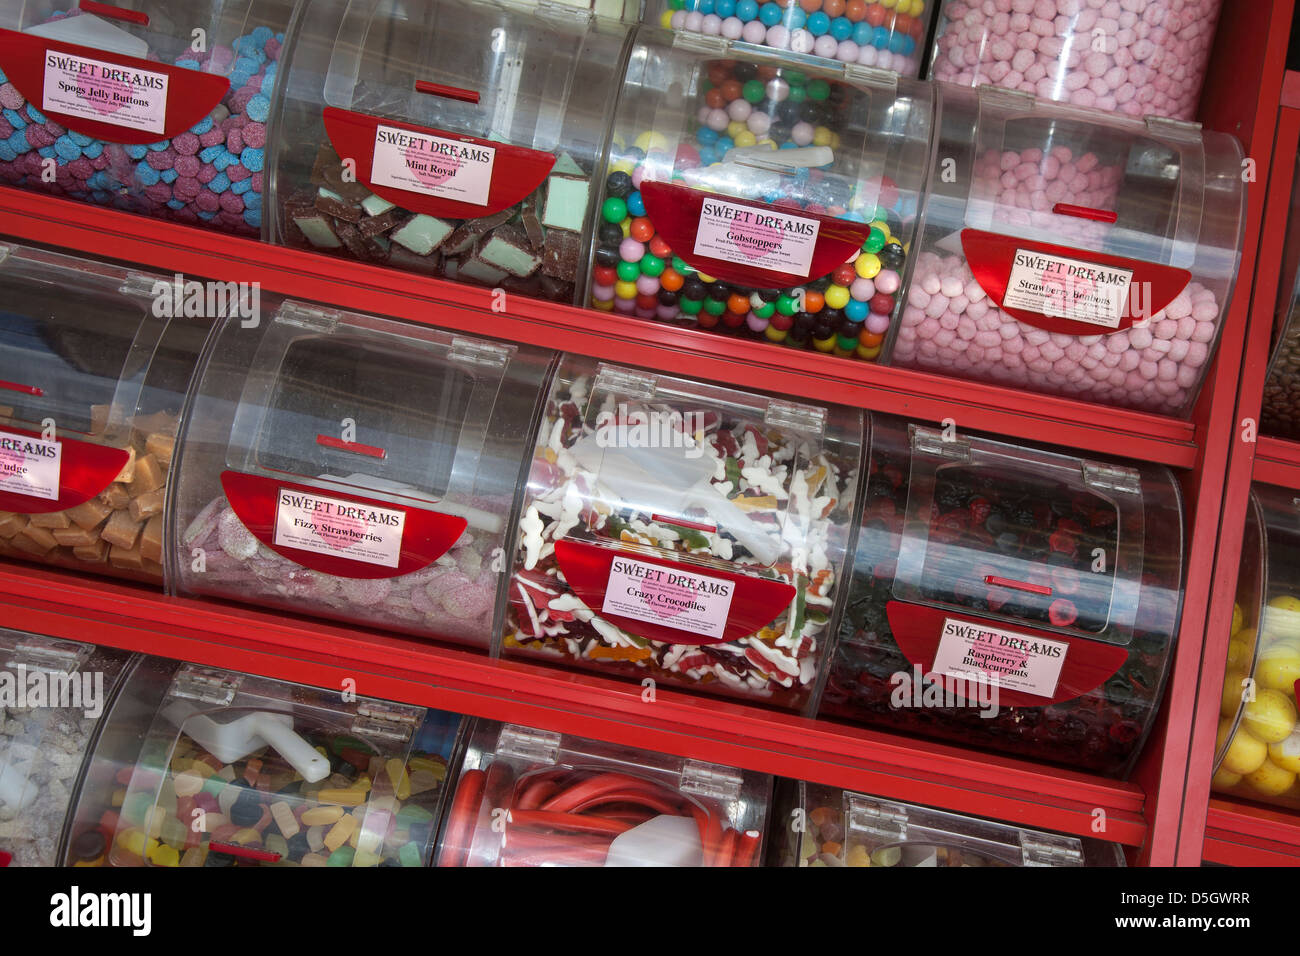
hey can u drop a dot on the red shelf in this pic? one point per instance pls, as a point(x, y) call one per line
point(397, 668)
point(1242, 834)
point(1277, 462)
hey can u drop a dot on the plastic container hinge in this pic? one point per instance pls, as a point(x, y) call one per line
point(927, 441)
point(1183, 131)
point(5, 251)
point(796, 417)
point(308, 317)
point(205, 686)
point(1112, 478)
point(479, 353)
point(871, 76)
point(137, 283)
point(387, 720)
point(877, 817)
point(701, 43)
point(1011, 99)
point(541, 746)
point(1045, 849)
point(623, 382)
point(711, 780)
point(48, 657)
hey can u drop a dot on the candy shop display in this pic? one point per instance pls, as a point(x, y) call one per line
point(1140, 57)
point(888, 34)
point(761, 197)
point(1010, 598)
point(529, 797)
point(155, 108)
point(204, 767)
point(452, 139)
point(52, 695)
point(95, 363)
point(687, 533)
point(1070, 252)
point(826, 826)
point(1257, 749)
point(356, 468)
point(1281, 411)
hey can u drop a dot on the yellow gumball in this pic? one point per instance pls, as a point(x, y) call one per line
point(1225, 780)
point(666, 18)
point(1270, 779)
point(744, 139)
point(1286, 753)
point(1238, 618)
point(650, 140)
point(1232, 691)
point(1238, 655)
point(837, 296)
point(1278, 667)
point(1270, 716)
point(1245, 754)
point(822, 136)
point(735, 128)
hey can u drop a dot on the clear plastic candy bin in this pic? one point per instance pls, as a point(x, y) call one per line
point(450, 139)
point(95, 364)
point(826, 826)
point(198, 766)
point(1010, 598)
point(1257, 750)
point(1072, 252)
point(356, 468)
point(529, 797)
point(761, 196)
point(1281, 411)
point(53, 695)
point(887, 34)
point(684, 532)
point(151, 107)
point(1140, 57)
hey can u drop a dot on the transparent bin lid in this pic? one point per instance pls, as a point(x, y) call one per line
point(94, 371)
point(1013, 598)
point(357, 467)
point(773, 196)
point(53, 694)
point(1257, 750)
point(528, 797)
point(1101, 251)
point(832, 827)
point(231, 769)
point(452, 139)
point(684, 531)
point(156, 108)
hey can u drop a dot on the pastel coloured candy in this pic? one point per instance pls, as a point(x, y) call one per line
point(1141, 57)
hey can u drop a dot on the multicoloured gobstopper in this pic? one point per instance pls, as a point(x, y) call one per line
point(454, 598)
point(754, 467)
point(976, 520)
point(888, 34)
point(210, 175)
point(1141, 57)
point(950, 324)
point(846, 313)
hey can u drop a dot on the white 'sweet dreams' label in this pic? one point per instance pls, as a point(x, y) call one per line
point(762, 238)
point(423, 163)
point(1003, 658)
point(105, 92)
point(30, 466)
point(668, 596)
point(1067, 288)
point(341, 529)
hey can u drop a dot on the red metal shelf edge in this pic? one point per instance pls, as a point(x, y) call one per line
point(1277, 462)
point(171, 247)
point(405, 669)
point(1242, 834)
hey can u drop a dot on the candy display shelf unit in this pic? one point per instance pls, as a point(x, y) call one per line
point(1221, 829)
point(1150, 814)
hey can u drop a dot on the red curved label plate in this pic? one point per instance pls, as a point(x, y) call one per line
point(990, 257)
point(756, 602)
point(426, 535)
point(1088, 664)
point(85, 469)
point(191, 94)
point(675, 210)
point(516, 171)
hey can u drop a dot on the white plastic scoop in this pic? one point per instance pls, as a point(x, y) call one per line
point(15, 790)
point(665, 840)
point(666, 480)
point(91, 31)
point(249, 733)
